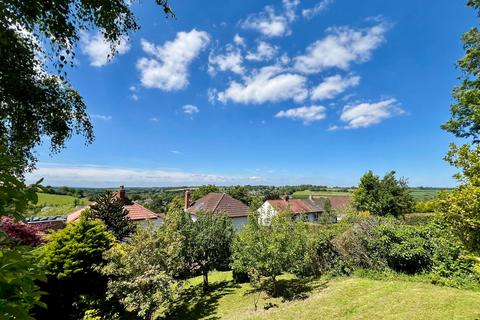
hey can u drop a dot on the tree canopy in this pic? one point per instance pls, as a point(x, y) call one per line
point(111, 211)
point(386, 196)
point(37, 43)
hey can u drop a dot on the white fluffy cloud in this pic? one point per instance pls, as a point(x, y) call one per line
point(366, 114)
point(264, 52)
point(269, 84)
point(270, 23)
point(190, 109)
point(307, 114)
point(333, 86)
point(167, 66)
point(342, 47)
point(239, 40)
point(98, 49)
point(267, 23)
point(318, 8)
point(232, 61)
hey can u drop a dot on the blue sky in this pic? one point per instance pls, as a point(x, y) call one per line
point(268, 92)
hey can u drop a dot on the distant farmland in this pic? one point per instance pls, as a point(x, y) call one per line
point(417, 193)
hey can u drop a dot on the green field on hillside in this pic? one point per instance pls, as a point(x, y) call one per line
point(306, 193)
point(45, 199)
point(56, 205)
point(342, 298)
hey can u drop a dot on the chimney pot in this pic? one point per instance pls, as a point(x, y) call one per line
point(121, 193)
point(187, 199)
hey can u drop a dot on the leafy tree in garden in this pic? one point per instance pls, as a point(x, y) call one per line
point(266, 250)
point(141, 276)
point(111, 211)
point(40, 36)
point(18, 290)
point(387, 196)
point(203, 191)
point(175, 205)
point(209, 238)
point(70, 259)
point(460, 208)
point(240, 193)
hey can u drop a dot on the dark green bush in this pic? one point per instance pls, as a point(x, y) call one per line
point(380, 243)
point(405, 248)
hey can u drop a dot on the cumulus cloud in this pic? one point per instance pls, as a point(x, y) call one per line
point(269, 84)
point(101, 117)
point(98, 49)
point(318, 8)
point(167, 67)
point(342, 47)
point(333, 86)
point(290, 7)
point(190, 109)
point(239, 41)
point(307, 114)
point(232, 61)
point(365, 114)
point(270, 23)
point(264, 52)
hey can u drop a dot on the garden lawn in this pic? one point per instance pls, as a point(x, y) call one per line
point(341, 298)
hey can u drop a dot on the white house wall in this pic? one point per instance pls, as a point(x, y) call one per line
point(265, 213)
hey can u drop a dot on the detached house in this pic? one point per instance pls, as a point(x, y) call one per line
point(217, 202)
point(311, 208)
point(136, 212)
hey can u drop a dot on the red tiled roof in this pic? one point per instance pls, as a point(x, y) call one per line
point(135, 212)
point(298, 206)
point(339, 202)
point(219, 202)
point(314, 204)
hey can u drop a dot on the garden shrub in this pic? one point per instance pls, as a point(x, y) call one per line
point(380, 243)
point(19, 291)
point(70, 259)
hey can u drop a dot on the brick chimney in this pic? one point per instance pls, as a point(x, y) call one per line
point(121, 193)
point(187, 199)
point(286, 197)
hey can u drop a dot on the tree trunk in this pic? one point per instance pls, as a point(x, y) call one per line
point(205, 280)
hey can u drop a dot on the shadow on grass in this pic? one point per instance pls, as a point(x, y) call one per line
point(292, 289)
point(195, 304)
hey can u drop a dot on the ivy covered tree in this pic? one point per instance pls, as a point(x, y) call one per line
point(111, 211)
point(386, 196)
point(37, 43)
point(460, 208)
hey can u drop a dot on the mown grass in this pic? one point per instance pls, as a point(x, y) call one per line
point(340, 298)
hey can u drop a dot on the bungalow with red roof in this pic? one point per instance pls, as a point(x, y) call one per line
point(136, 212)
point(311, 209)
point(217, 202)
